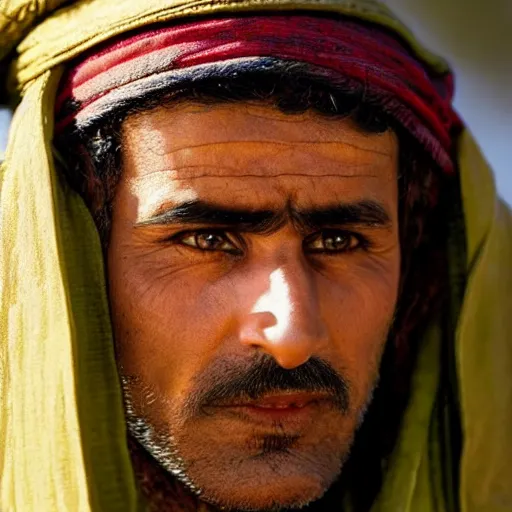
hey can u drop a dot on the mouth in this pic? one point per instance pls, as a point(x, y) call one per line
point(279, 407)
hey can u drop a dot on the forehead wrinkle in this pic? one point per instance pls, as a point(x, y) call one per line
point(288, 144)
point(255, 162)
point(174, 178)
point(278, 175)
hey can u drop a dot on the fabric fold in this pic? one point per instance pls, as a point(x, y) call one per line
point(62, 440)
point(484, 340)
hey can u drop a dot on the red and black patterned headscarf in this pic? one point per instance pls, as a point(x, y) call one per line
point(342, 51)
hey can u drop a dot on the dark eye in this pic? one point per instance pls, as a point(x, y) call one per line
point(332, 242)
point(209, 241)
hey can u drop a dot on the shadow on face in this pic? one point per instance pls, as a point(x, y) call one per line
point(253, 271)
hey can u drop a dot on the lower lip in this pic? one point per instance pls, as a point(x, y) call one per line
point(304, 413)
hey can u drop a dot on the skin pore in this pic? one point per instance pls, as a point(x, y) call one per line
point(253, 255)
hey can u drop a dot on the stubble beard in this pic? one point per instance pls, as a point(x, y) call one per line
point(162, 446)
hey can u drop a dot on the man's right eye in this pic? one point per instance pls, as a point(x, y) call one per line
point(208, 241)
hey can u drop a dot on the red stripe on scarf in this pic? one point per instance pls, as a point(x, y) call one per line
point(344, 48)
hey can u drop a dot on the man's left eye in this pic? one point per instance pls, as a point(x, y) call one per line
point(332, 242)
point(209, 241)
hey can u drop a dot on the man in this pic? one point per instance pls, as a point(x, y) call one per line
point(306, 265)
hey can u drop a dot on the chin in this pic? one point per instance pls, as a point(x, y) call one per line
point(272, 486)
point(245, 479)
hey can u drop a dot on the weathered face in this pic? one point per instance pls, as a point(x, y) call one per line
point(253, 271)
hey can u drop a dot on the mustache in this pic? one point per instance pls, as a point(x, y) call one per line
point(266, 377)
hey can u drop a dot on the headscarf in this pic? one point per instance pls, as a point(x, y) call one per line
point(340, 51)
point(62, 429)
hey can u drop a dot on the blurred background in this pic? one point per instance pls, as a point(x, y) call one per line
point(475, 36)
point(4, 123)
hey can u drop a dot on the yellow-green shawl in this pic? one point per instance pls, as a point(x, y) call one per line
point(62, 432)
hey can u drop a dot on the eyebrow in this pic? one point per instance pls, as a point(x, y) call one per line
point(367, 213)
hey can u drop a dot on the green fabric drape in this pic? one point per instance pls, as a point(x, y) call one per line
point(59, 388)
point(62, 432)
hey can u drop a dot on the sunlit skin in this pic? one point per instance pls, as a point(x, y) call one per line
point(193, 300)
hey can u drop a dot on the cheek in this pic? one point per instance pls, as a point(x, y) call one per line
point(167, 324)
point(359, 309)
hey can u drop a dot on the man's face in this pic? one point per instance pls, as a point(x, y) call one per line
point(253, 271)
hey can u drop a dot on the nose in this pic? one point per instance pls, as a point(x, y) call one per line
point(286, 322)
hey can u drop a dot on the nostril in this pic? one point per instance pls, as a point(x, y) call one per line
point(254, 328)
